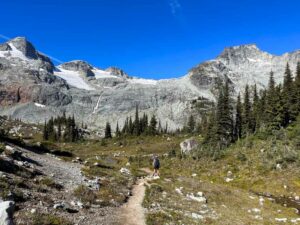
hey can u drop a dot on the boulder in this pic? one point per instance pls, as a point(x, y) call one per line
point(188, 146)
point(7, 209)
point(125, 171)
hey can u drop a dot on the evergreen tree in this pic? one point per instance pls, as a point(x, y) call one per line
point(247, 117)
point(238, 119)
point(45, 132)
point(152, 126)
point(211, 134)
point(59, 131)
point(289, 97)
point(224, 118)
point(191, 124)
point(131, 126)
point(136, 126)
point(107, 134)
point(118, 133)
point(255, 110)
point(297, 87)
point(166, 128)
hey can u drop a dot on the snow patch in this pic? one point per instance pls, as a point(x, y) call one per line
point(73, 78)
point(142, 81)
point(13, 53)
point(99, 74)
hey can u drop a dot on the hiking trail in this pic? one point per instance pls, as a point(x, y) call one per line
point(133, 213)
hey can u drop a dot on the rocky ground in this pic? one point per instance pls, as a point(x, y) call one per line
point(50, 189)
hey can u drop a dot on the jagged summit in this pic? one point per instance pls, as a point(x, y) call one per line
point(23, 45)
point(20, 53)
point(117, 71)
point(76, 65)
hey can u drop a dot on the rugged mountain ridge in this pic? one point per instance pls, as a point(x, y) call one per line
point(33, 89)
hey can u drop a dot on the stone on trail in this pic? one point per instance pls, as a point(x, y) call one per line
point(7, 209)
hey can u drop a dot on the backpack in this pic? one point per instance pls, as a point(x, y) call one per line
point(156, 163)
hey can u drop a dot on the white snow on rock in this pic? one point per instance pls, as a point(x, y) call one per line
point(99, 74)
point(13, 53)
point(143, 81)
point(73, 78)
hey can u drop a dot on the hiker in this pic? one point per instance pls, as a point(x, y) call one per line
point(156, 165)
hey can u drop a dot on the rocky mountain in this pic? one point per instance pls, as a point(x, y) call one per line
point(33, 89)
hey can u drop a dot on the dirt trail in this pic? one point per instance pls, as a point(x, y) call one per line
point(69, 175)
point(133, 213)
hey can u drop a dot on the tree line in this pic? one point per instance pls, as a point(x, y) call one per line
point(140, 125)
point(61, 128)
point(267, 110)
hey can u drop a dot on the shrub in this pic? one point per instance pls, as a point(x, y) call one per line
point(85, 194)
point(43, 219)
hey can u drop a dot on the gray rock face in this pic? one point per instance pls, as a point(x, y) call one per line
point(5, 47)
point(117, 71)
point(6, 212)
point(80, 66)
point(30, 90)
point(25, 47)
point(242, 65)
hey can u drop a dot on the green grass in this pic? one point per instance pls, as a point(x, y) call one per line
point(46, 219)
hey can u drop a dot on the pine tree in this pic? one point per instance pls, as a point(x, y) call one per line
point(238, 119)
point(107, 134)
point(247, 117)
point(297, 87)
point(152, 126)
point(289, 97)
point(131, 126)
point(224, 117)
point(211, 134)
point(255, 110)
point(45, 132)
point(59, 131)
point(166, 128)
point(118, 133)
point(191, 124)
point(136, 125)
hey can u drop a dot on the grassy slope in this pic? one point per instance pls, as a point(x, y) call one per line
point(252, 162)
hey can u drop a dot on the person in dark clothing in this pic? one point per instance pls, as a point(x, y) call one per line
point(156, 166)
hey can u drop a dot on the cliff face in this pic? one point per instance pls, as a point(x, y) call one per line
point(33, 89)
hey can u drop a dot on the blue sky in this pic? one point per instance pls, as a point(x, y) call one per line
point(151, 38)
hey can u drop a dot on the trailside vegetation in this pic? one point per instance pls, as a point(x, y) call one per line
point(268, 110)
point(61, 128)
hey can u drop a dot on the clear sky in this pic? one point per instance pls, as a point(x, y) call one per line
point(151, 38)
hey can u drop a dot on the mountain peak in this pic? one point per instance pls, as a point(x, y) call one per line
point(23, 45)
point(116, 71)
point(77, 65)
point(247, 48)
